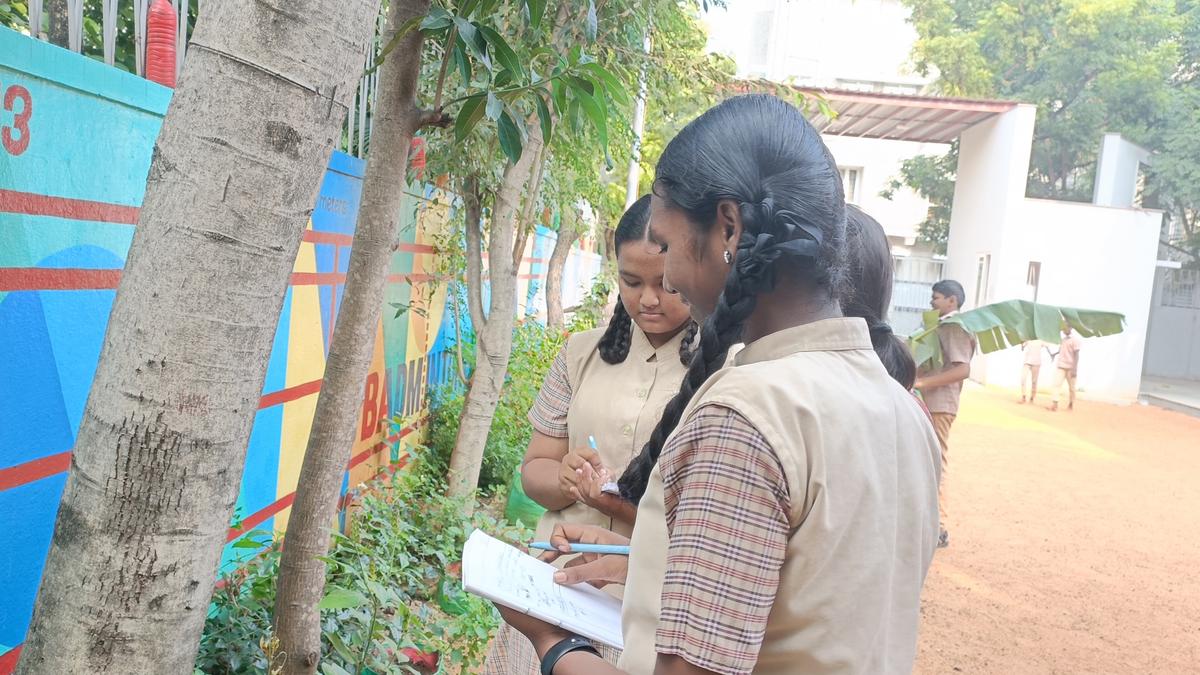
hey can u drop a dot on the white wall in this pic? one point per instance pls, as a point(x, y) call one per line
point(1117, 170)
point(880, 162)
point(993, 165)
point(1092, 258)
point(817, 42)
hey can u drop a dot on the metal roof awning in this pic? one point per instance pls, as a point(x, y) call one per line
point(900, 117)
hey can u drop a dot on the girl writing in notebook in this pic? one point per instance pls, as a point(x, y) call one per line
point(607, 386)
point(787, 505)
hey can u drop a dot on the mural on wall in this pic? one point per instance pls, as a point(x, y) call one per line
point(78, 142)
point(76, 139)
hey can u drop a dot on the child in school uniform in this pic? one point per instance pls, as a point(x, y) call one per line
point(1066, 367)
point(1032, 368)
point(787, 505)
point(608, 385)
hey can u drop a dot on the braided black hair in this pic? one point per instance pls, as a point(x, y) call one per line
point(614, 344)
point(759, 152)
point(867, 292)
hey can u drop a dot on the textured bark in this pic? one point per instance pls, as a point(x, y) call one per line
point(58, 20)
point(302, 573)
point(526, 225)
point(158, 460)
point(567, 235)
point(494, 332)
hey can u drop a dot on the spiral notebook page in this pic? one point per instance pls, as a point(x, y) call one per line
point(504, 574)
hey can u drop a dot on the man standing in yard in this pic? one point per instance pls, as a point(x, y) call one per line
point(1067, 367)
point(941, 388)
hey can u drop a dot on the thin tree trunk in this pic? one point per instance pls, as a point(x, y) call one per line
point(526, 226)
point(494, 343)
point(302, 572)
point(158, 461)
point(58, 18)
point(567, 235)
point(634, 175)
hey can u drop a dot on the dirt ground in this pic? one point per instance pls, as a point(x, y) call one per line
point(1074, 542)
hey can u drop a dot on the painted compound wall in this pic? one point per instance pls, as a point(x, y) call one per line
point(77, 141)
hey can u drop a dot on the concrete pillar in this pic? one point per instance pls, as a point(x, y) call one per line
point(1117, 171)
point(993, 169)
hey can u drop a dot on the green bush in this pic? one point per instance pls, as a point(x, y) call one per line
point(534, 349)
point(392, 585)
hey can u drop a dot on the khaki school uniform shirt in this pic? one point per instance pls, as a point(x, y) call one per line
point(618, 404)
point(1068, 352)
point(791, 518)
point(958, 346)
point(1033, 353)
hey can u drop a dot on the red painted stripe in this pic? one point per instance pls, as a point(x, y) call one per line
point(259, 517)
point(410, 278)
point(318, 237)
point(33, 470)
point(30, 204)
point(45, 467)
point(8, 660)
point(44, 279)
point(336, 278)
point(289, 394)
point(340, 239)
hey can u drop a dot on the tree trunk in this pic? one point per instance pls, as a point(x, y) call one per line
point(159, 456)
point(58, 20)
point(494, 334)
point(567, 235)
point(301, 572)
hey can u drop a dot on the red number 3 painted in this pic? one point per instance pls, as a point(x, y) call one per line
point(18, 144)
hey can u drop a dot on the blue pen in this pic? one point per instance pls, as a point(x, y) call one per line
point(602, 549)
point(592, 442)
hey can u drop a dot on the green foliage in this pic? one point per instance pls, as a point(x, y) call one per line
point(388, 587)
point(932, 177)
point(534, 349)
point(1090, 67)
point(1011, 322)
point(590, 312)
point(15, 15)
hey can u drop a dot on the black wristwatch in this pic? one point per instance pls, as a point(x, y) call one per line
point(561, 649)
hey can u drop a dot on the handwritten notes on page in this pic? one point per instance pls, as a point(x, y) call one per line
point(505, 575)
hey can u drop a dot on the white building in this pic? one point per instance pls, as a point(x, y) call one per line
point(850, 45)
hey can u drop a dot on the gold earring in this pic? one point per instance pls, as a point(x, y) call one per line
point(728, 258)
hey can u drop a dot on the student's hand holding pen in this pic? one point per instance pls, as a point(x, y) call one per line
point(592, 568)
point(572, 463)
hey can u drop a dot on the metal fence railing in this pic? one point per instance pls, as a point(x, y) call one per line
point(115, 32)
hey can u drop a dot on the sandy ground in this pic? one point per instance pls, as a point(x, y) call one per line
point(1074, 542)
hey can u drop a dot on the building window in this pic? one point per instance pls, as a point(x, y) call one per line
point(851, 182)
point(982, 278)
point(1033, 277)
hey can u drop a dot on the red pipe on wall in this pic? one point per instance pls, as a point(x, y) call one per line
point(160, 43)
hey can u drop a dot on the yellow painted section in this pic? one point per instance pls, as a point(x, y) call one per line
point(305, 363)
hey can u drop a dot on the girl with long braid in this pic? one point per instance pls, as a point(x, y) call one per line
point(787, 505)
point(609, 386)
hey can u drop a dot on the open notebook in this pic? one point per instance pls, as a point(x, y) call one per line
point(503, 574)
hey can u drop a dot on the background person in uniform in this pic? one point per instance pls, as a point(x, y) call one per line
point(942, 388)
point(1032, 367)
point(1066, 367)
point(611, 384)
